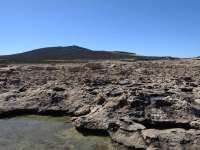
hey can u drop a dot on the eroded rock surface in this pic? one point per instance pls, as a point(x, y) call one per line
point(140, 105)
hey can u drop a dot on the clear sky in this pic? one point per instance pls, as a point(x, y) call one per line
point(147, 27)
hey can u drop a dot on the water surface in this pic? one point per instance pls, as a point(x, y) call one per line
point(47, 133)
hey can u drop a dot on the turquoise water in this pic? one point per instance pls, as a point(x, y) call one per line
point(47, 133)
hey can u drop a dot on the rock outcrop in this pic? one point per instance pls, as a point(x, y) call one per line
point(140, 105)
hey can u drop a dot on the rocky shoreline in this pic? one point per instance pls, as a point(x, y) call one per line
point(140, 105)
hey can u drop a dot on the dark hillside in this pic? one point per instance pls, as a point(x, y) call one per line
point(66, 53)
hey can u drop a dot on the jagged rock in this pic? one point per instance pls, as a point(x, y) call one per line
point(129, 139)
point(142, 104)
point(172, 138)
point(82, 111)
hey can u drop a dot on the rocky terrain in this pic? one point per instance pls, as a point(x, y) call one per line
point(142, 105)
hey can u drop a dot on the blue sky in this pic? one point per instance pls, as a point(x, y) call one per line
point(147, 27)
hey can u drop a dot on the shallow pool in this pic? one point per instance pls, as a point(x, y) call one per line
point(47, 133)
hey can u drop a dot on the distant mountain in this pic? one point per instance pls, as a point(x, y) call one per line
point(66, 53)
point(198, 58)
